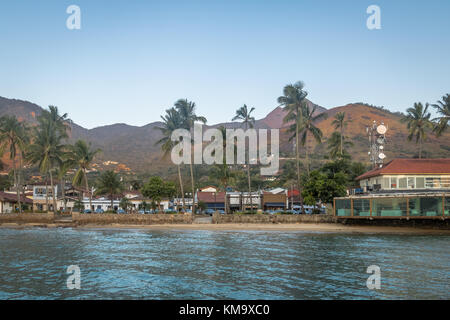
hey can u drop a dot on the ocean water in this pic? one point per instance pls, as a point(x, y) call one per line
point(186, 264)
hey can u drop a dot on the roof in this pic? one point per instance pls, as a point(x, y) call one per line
point(211, 197)
point(410, 166)
point(10, 197)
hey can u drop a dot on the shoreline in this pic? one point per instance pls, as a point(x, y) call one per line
point(306, 227)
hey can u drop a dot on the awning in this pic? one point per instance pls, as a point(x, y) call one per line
point(274, 204)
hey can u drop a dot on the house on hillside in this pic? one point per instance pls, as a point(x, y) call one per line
point(9, 204)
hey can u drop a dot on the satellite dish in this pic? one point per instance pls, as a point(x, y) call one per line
point(381, 129)
point(381, 156)
point(381, 147)
point(380, 140)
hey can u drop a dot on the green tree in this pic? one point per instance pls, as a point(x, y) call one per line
point(13, 137)
point(171, 121)
point(125, 204)
point(336, 146)
point(245, 115)
point(186, 109)
point(292, 100)
point(443, 109)
point(154, 189)
point(82, 155)
point(322, 187)
point(418, 122)
point(109, 183)
point(308, 127)
point(340, 123)
point(48, 148)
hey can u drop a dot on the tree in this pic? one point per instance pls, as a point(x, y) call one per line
point(82, 155)
point(245, 115)
point(125, 204)
point(443, 109)
point(186, 110)
point(171, 122)
point(48, 149)
point(307, 126)
point(14, 138)
point(340, 123)
point(418, 122)
point(109, 183)
point(336, 146)
point(322, 187)
point(154, 189)
point(292, 100)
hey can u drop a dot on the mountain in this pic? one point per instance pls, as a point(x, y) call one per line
point(134, 147)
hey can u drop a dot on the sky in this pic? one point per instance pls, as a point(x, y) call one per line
point(131, 60)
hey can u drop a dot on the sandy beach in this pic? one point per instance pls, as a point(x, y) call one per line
point(307, 227)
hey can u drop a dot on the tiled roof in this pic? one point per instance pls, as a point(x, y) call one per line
point(12, 197)
point(209, 197)
point(410, 166)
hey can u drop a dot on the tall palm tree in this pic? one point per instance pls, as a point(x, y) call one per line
point(340, 123)
point(307, 126)
point(418, 122)
point(109, 184)
point(334, 146)
point(292, 100)
point(82, 155)
point(443, 109)
point(245, 115)
point(186, 109)
point(171, 122)
point(14, 138)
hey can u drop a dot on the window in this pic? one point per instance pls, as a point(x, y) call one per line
point(361, 207)
point(343, 207)
point(427, 207)
point(411, 181)
point(420, 182)
point(447, 206)
point(389, 207)
point(385, 183)
point(402, 183)
point(393, 182)
point(445, 182)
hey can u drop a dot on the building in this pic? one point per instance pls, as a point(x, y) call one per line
point(212, 200)
point(40, 197)
point(408, 174)
point(9, 204)
point(401, 189)
point(237, 201)
point(274, 201)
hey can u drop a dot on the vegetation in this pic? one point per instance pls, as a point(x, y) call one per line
point(156, 189)
point(109, 184)
point(443, 110)
point(418, 122)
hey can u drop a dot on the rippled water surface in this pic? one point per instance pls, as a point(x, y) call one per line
point(135, 264)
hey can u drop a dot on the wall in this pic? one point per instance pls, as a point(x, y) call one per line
point(276, 218)
point(139, 219)
point(26, 218)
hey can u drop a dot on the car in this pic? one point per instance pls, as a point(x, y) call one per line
point(221, 211)
point(121, 211)
point(99, 210)
point(270, 212)
point(141, 211)
point(149, 211)
point(87, 211)
point(209, 211)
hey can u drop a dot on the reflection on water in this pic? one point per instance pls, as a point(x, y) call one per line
point(135, 264)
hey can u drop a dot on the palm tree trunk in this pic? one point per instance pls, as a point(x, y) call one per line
point(249, 186)
point(46, 193)
point(63, 190)
point(193, 188)
point(16, 182)
point(87, 189)
point(20, 176)
point(297, 160)
point(181, 187)
point(307, 155)
point(420, 149)
point(112, 202)
point(53, 193)
point(342, 141)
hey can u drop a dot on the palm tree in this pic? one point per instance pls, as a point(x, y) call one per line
point(186, 110)
point(14, 138)
point(334, 146)
point(47, 151)
point(82, 156)
point(339, 122)
point(60, 123)
point(418, 121)
point(307, 126)
point(443, 109)
point(109, 184)
point(245, 115)
point(171, 122)
point(292, 100)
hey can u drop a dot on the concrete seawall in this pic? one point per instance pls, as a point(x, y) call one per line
point(27, 217)
point(267, 218)
point(134, 219)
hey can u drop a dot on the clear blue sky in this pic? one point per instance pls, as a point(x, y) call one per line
point(132, 59)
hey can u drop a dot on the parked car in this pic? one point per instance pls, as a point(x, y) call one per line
point(87, 211)
point(99, 210)
point(121, 211)
point(141, 211)
point(221, 211)
point(209, 211)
